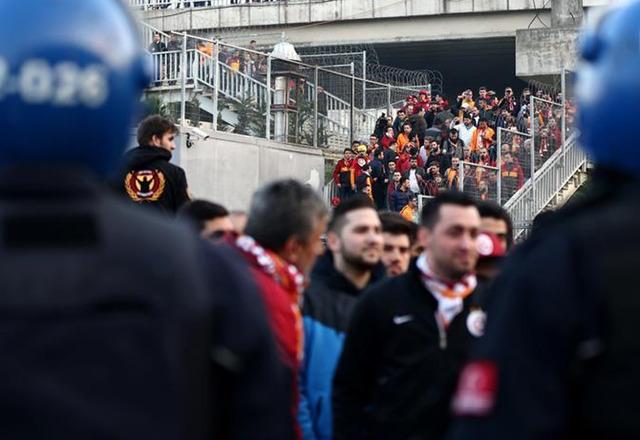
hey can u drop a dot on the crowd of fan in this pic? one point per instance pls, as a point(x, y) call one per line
point(431, 143)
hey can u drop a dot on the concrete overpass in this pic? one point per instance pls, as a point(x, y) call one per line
point(314, 22)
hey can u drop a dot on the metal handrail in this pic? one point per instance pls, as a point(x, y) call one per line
point(183, 4)
point(554, 175)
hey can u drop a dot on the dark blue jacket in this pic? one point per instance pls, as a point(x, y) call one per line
point(400, 199)
point(327, 309)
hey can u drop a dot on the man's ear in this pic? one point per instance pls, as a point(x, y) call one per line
point(291, 249)
point(333, 241)
point(424, 237)
point(156, 141)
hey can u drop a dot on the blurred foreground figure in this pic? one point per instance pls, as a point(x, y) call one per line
point(560, 356)
point(409, 335)
point(114, 323)
point(283, 240)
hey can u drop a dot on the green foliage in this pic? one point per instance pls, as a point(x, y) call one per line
point(304, 124)
point(153, 105)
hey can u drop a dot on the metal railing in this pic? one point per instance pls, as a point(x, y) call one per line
point(179, 4)
point(317, 117)
point(538, 192)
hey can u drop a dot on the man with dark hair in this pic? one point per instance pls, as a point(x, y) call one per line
point(496, 220)
point(282, 241)
point(210, 219)
point(404, 138)
point(483, 137)
point(148, 177)
point(344, 175)
point(399, 121)
point(157, 46)
point(401, 196)
point(380, 179)
point(397, 236)
point(494, 241)
point(352, 262)
point(408, 336)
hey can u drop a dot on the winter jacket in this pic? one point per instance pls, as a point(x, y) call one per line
point(399, 199)
point(149, 179)
point(344, 173)
point(399, 367)
point(328, 304)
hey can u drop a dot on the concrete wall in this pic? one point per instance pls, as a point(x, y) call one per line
point(541, 52)
point(293, 13)
point(228, 168)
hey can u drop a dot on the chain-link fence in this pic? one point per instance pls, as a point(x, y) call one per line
point(514, 162)
point(230, 88)
point(546, 130)
point(479, 181)
point(569, 98)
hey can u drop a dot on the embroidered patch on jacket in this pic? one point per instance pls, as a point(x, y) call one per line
point(144, 185)
point(477, 389)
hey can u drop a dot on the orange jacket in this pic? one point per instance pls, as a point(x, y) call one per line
point(402, 141)
point(487, 135)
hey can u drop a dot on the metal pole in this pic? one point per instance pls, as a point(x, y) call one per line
point(563, 89)
point(268, 127)
point(183, 88)
point(216, 83)
point(461, 176)
point(364, 80)
point(499, 165)
point(389, 109)
point(352, 101)
point(532, 208)
point(315, 106)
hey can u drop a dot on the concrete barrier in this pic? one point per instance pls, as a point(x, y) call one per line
point(228, 168)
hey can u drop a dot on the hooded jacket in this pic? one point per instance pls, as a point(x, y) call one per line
point(149, 179)
point(327, 310)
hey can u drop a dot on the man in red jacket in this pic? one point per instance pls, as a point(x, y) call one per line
point(282, 242)
point(344, 175)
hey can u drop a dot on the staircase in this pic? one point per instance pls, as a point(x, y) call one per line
point(205, 75)
point(553, 184)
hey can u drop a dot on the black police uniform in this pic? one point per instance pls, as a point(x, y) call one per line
point(561, 353)
point(148, 178)
point(115, 323)
point(398, 368)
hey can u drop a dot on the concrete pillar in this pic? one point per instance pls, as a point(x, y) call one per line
point(566, 13)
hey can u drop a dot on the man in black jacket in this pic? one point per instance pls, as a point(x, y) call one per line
point(380, 179)
point(157, 46)
point(149, 178)
point(115, 322)
point(409, 335)
point(352, 263)
point(561, 354)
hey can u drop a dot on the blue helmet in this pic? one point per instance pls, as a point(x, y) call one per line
point(71, 75)
point(608, 89)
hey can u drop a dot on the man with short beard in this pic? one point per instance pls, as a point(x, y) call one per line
point(352, 263)
point(397, 234)
point(409, 335)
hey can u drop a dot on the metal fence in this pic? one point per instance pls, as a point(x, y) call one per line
point(179, 4)
point(479, 181)
point(538, 192)
point(254, 93)
point(513, 159)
